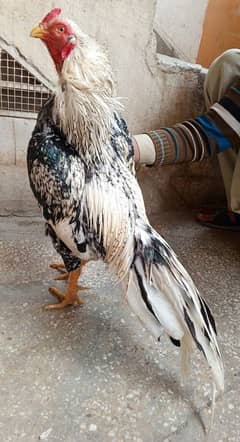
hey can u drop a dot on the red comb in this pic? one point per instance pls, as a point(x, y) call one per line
point(51, 15)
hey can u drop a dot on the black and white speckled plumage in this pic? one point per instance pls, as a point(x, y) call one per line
point(94, 209)
point(58, 176)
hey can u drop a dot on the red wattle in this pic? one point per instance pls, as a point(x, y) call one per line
point(67, 50)
point(59, 55)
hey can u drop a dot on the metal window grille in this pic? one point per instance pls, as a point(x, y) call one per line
point(21, 93)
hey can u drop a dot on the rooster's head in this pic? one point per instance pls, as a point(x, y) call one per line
point(58, 35)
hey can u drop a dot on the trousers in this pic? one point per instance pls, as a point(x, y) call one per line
point(222, 73)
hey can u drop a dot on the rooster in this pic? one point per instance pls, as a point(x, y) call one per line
point(81, 171)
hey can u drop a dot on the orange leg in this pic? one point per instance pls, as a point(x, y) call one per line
point(70, 297)
point(58, 266)
point(61, 268)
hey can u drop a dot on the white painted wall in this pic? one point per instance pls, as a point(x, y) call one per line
point(180, 22)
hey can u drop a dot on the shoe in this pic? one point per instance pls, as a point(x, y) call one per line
point(219, 219)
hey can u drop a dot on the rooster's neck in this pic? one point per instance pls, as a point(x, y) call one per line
point(84, 106)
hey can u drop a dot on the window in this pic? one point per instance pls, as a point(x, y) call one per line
point(22, 94)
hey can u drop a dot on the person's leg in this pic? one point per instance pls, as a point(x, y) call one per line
point(223, 72)
point(235, 188)
point(221, 75)
point(227, 161)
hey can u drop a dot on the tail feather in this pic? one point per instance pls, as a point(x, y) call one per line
point(186, 350)
point(161, 293)
point(140, 308)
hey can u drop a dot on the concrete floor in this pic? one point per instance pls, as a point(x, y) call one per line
point(93, 373)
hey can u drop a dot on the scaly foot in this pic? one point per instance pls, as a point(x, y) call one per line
point(70, 297)
point(65, 299)
point(61, 268)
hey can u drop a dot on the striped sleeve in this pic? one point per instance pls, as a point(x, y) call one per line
point(206, 135)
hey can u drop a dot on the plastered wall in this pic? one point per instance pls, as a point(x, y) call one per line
point(197, 31)
point(180, 24)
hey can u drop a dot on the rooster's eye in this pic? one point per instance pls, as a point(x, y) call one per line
point(61, 29)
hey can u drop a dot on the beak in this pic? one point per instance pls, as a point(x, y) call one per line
point(38, 32)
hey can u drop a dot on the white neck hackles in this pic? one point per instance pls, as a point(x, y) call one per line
point(83, 104)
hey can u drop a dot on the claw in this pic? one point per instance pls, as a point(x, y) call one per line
point(57, 266)
point(70, 297)
point(81, 287)
point(63, 277)
point(65, 299)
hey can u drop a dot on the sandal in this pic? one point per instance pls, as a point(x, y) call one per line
point(219, 219)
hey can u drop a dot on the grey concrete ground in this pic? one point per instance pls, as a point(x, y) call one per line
point(93, 373)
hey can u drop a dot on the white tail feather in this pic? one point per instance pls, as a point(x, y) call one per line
point(171, 299)
point(138, 306)
point(186, 351)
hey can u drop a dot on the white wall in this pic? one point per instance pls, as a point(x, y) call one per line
point(14, 137)
point(180, 22)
